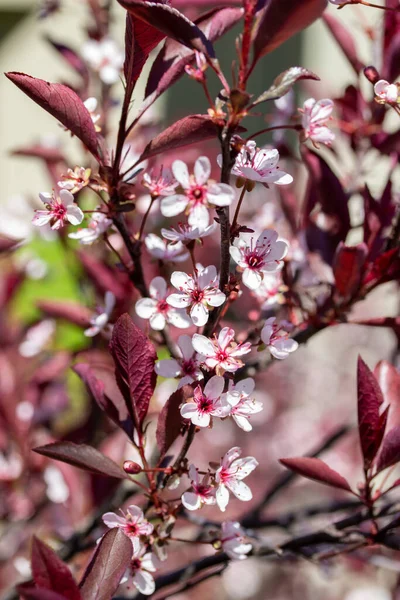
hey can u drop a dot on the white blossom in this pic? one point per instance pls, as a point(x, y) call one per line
point(157, 309)
point(230, 474)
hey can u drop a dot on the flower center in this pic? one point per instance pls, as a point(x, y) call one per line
point(197, 295)
point(131, 529)
point(197, 194)
point(254, 261)
point(135, 565)
point(188, 367)
point(204, 404)
point(163, 306)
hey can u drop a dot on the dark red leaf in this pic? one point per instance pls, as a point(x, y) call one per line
point(170, 421)
point(69, 311)
point(348, 269)
point(390, 451)
point(344, 39)
point(34, 593)
point(134, 356)
point(140, 39)
point(50, 572)
point(105, 570)
point(82, 456)
point(284, 82)
point(188, 130)
point(281, 19)
point(172, 59)
point(48, 154)
point(388, 378)
point(317, 470)
point(108, 397)
point(370, 423)
point(63, 103)
point(171, 23)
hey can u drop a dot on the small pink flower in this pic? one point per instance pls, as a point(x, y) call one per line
point(157, 309)
point(197, 293)
point(207, 403)
point(229, 477)
point(221, 352)
point(91, 105)
point(185, 233)
point(187, 367)
point(202, 492)
point(278, 341)
point(159, 186)
point(99, 322)
point(75, 180)
point(97, 226)
point(243, 406)
point(386, 92)
point(262, 258)
point(271, 290)
point(259, 164)
point(315, 117)
point(198, 193)
point(59, 210)
point(234, 541)
point(163, 251)
point(142, 565)
point(105, 57)
point(132, 523)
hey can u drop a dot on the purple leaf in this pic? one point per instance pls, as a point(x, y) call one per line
point(69, 311)
point(317, 470)
point(134, 356)
point(63, 103)
point(35, 593)
point(390, 450)
point(171, 23)
point(140, 39)
point(281, 19)
point(51, 573)
point(284, 82)
point(106, 393)
point(348, 269)
point(84, 457)
point(105, 570)
point(388, 378)
point(371, 424)
point(170, 421)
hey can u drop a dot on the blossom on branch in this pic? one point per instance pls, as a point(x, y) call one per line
point(159, 249)
point(132, 523)
point(243, 406)
point(59, 210)
point(314, 120)
point(161, 185)
point(386, 92)
point(233, 540)
point(140, 570)
point(100, 322)
point(259, 164)
point(277, 339)
point(75, 180)
point(187, 367)
point(97, 226)
point(202, 492)
point(185, 233)
point(229, 477)
point(157, 309)
point(221, 352)
point(196, 293)
point(207, 403)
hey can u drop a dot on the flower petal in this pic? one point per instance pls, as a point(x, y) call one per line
point(202, 170)
point(173, 205)
point(214, 387)
point(157, 321)
point(203, 345)
point(198, 314)
point(181, 173)
point(145, 307)
point(240, 489)
point(191, 501)
point(158, 288)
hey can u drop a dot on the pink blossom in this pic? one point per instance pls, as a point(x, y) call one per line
point(262, 258)
point(132, 523)
point(221, 352)
point(185, 233)
point(75, 180)
point(163, 251)
point(59, 210)
point(159, 186)
point(278, 341)
point(259, 165)
point(197, 293)
point(105, 57)
point(243, 406)
point(202, 492)
point(386, 92)
point(315, 117)
point(198, 193)
point(187, 367)
point(91, 106)
point(233, 540)
point(207, 403)
point(157, 310)
point(99, 322)
point(271, 290)
point(143, 564)
point(229, 477)
point(97, 226)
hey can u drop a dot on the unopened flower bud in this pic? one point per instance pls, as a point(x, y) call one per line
point(131, 467)
point(371, 74)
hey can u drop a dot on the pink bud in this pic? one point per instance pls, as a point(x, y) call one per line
point(131, 467)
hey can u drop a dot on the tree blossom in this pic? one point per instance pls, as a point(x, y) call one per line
point(278, 341)
point(59, 210)
point(185, 233)
point(241, 403)
point(97, 226)
point(157, 310)
point(143, 564)
point(221, 352)
point(197, 293)
point(99, 322)
point(159, 186)
point(262, 258)
point(163, 251)
point(198, 193)
point(132, 523)
point(105, 57)
point(386, 92)
point(75, 180)
point(230, 474)
point(91, 105)
point(314, 120)
point(259, 164)
point(233, 540)
point(187, 367)
point(202, 493)
point(271, 290)
point(207, 403)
